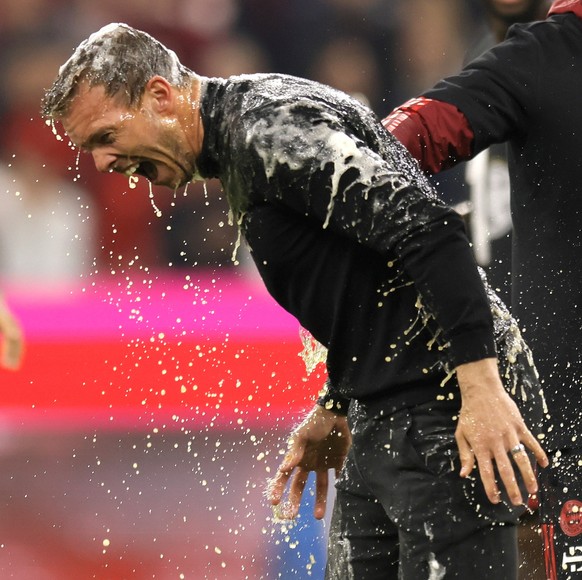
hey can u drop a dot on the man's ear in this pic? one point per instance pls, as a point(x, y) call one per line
point(161, 92)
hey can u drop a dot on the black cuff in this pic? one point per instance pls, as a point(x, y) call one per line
point(333, 402)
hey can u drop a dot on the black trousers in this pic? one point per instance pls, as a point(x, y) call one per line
point(402, 511)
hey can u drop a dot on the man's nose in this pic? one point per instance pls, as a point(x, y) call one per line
point(103, 161)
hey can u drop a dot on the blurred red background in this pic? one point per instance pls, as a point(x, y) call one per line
point(138, 437)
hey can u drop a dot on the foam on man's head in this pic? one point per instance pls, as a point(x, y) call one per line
point(119, 58)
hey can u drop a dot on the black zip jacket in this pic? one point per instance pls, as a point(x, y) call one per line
point(347, 234)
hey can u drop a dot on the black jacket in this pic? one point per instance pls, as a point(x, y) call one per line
point(347, 234)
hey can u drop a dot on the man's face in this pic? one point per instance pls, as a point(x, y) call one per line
point(136, 141)
point(514, 10)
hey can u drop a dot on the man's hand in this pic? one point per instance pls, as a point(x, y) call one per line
point(319, 443)
point(11, 338)
point(492, 432)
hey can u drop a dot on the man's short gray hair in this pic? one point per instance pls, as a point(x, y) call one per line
point(119, 58)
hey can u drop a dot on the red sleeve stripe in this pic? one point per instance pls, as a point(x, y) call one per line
point(437, 134)
point(399, 115)
point(549, 552)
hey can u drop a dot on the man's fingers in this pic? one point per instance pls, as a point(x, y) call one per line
point(11, 339)
point(321, 485)
point(289, 509)
point(466, 456)
point(12, 352)
point(521, 459)
point(534, 446)
point(295, 453)
point(276, 486)
point(487, 474)
point(507, 461)
point(507, 475)
point(296, 489)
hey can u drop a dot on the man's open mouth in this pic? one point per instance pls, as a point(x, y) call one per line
point(148, 170)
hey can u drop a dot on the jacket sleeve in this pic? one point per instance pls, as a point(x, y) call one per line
point(488, 102)
point(320, 168)
point(435, 133)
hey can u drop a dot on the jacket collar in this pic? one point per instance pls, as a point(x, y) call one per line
point(561, 6)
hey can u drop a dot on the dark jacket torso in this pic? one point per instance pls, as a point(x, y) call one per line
point(347, 234)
